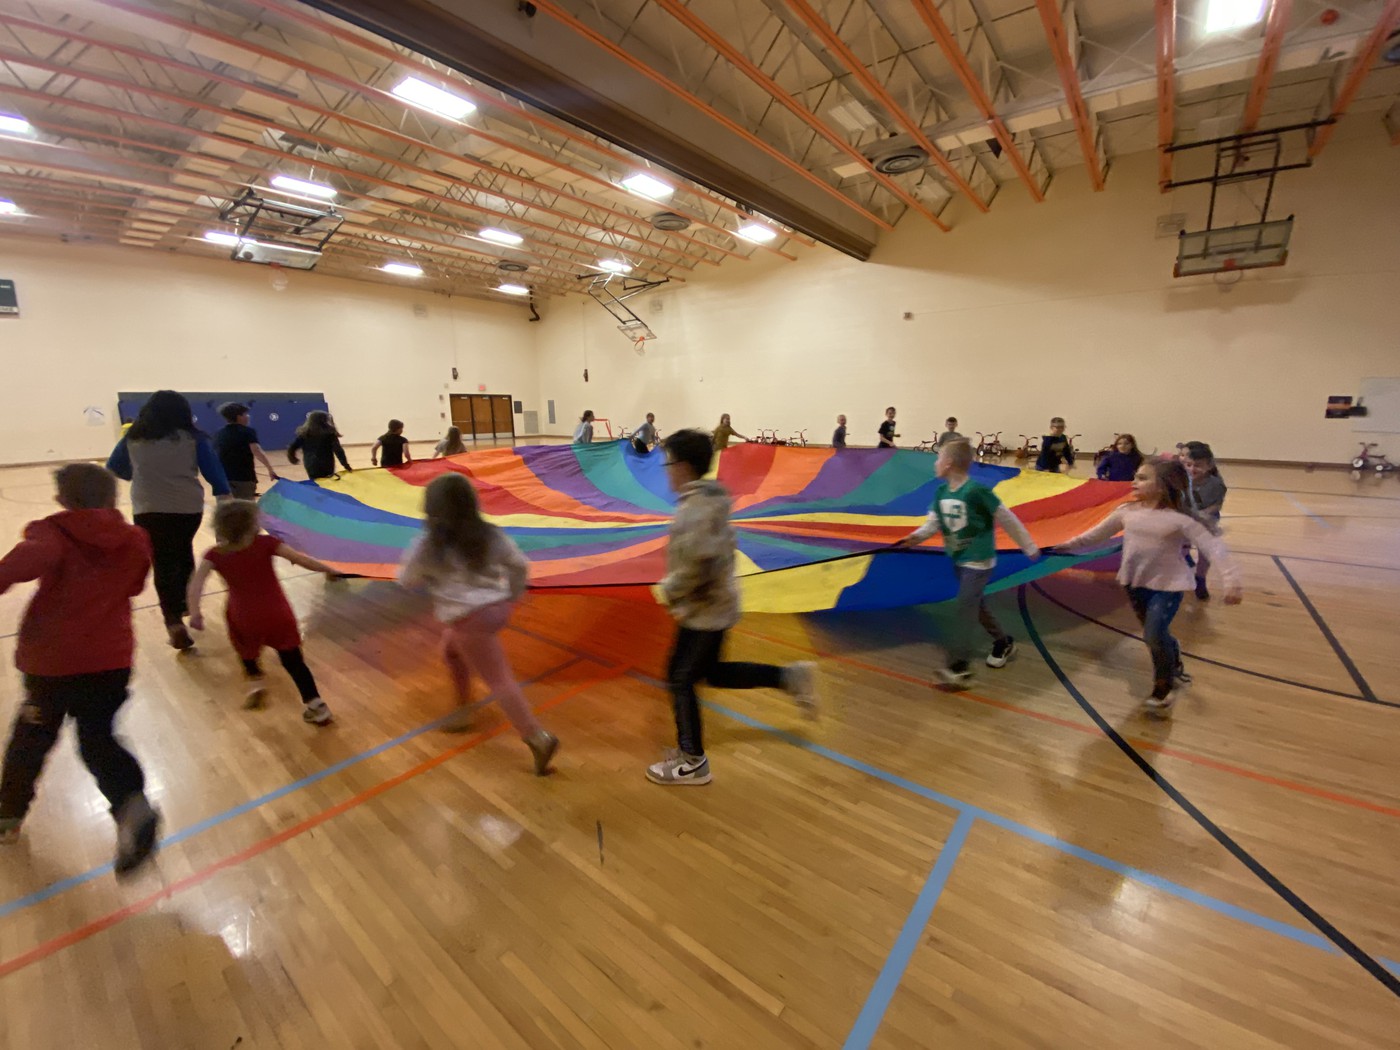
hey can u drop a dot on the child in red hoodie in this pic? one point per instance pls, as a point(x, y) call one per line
point(75, 652)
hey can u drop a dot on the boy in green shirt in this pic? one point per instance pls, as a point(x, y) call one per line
point(967, 513)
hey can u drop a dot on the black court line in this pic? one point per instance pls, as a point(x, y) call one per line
point(1206, 659)
point(1302, 907)
point(1317, 561)
point(1366, 693)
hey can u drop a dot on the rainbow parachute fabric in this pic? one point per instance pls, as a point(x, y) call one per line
point(813, 524)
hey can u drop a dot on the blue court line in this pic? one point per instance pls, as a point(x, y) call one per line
point(1361, 684)
point(910, 934)
point(1321, 521)
point(63, 885)
point(1146, 878)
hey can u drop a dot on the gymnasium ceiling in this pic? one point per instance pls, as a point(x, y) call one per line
point(147, 115)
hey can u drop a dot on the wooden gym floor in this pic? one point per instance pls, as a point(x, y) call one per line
point(916, 870)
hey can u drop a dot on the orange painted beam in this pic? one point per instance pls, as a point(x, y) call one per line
point(166, 61)
point(739, 61)
point(349, 174)
point(1058, 37)
point(976, 91)
point(1274, 30)
point(333, 28)
point(1166, 89)
point(848, 58)
point(671, 87)
point(1360, 69)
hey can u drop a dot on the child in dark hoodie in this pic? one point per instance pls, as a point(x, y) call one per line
point(75, 651)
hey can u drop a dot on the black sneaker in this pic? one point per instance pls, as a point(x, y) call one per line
point(1201, 593)
point(1002, 651)
point(137, 827)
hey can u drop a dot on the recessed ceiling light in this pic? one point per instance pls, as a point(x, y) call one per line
point(8, 207)
point(614, 266)
point(492, 233)
point(220, 237)
point(13, 125)
point(644, 184)
point(403, 269)
point(429, 96)
point(513, 289)
point(756, 232)
point(311, 189)
point(1223, 15)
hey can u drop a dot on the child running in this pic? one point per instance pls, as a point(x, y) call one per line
point(451, 444)
point(319, 437)
point(237, 445)
point(395, 447)
point(1122, 461)
point(258, 614)
point(475, 574)
point(887, 434)
point(967, 513)
point(1154, 528)
point(75, 652)
point(950, 433)
point(1207, 500)
point(700, 591)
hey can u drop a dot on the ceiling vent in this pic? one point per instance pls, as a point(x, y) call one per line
point(511, 266)
point(897, 160)
point(670, 221)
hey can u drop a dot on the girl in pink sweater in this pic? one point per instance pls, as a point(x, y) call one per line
point(1155, 528)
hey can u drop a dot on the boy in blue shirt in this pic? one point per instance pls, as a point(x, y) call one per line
point(967, 513)
point(1055, 448)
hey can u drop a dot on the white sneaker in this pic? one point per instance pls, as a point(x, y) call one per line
point(955, 678)
point(316, 712)
point(800, 680)
point(257, 694)
point(679, 769)
point(1002, 651)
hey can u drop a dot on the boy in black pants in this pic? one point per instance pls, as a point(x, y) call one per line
point(75, 651)
point(237, 445)
point(700, 591)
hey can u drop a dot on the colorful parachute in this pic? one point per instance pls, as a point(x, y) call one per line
point(812, 523)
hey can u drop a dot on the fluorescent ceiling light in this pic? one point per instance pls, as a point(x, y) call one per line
point(614, 266)
point(8, 207)
point(647, 186)
point(1223, 15)
point(513, 289)
point(403, 269)
point(491, 233)
point(421, 93)
point(311, 189)
point(756, 232)
point(13, 125)
point(219, 237)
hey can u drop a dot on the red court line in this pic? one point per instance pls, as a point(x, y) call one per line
point(82, 933)
point(1088, 730)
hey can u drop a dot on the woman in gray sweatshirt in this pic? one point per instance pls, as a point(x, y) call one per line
point(163, 455)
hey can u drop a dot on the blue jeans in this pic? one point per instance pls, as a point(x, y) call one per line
point(1155, 611)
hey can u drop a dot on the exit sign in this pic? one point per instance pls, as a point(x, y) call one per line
point(9, 303)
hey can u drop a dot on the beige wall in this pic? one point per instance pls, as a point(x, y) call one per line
point(1067, 307)
point(95, 321)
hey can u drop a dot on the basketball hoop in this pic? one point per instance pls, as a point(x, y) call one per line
point(640, 346)
point(278, 279)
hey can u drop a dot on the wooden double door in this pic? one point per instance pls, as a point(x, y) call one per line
point(484, 417)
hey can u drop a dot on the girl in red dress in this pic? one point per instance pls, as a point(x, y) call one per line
point(258, 614)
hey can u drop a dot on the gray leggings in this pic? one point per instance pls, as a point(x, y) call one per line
point(970, 605)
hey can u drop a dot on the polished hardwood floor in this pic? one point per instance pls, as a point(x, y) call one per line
point(917, 869)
